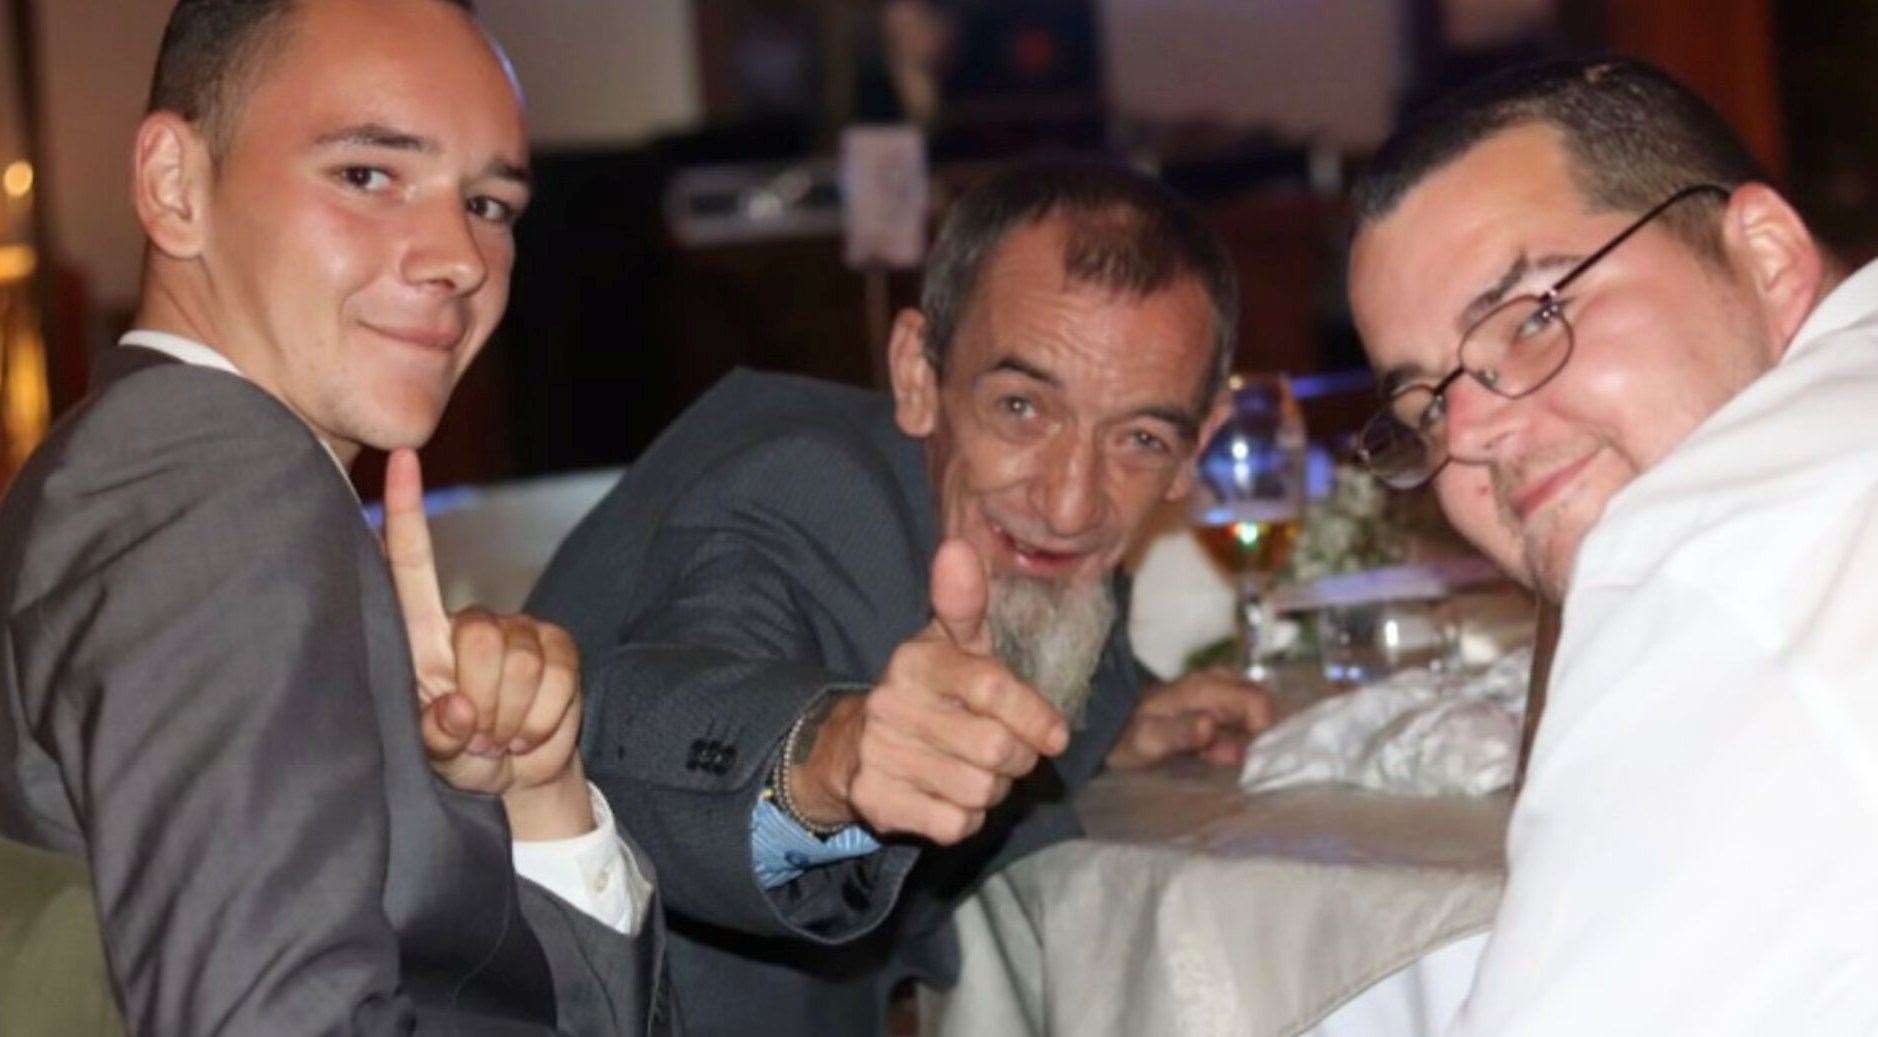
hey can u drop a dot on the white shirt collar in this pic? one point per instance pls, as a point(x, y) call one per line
point(180, 348)
point(190, 351)
point(1852, 300)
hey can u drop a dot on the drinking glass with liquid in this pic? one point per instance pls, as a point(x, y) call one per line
point(1249, 506)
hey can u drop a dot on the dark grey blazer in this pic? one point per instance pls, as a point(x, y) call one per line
point(208, 696)
point(772, 545)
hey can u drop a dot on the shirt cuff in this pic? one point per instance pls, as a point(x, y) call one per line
point(594, 872)
point(782, 850)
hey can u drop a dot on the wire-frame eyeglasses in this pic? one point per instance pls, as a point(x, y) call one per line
point(1512, 351)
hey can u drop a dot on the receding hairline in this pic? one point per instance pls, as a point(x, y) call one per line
point(1064, 235)
point(1631, 135)
point(1102, 221)
point(1549, 134)
point(1700, 234)
point(1074, 238)
point(1577, 167)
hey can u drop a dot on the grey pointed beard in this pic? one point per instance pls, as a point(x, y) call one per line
point(1051, 635)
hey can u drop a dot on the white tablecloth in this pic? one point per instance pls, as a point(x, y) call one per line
point(1192, 908)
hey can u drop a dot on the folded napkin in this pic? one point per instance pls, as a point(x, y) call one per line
point(1415, 732)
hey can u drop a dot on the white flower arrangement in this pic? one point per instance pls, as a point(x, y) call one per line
point(1351, 528)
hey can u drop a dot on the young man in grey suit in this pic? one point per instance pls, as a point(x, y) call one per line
point(848, 653)
point(216, 690)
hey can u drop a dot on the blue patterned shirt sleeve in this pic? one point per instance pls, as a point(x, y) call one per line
point(783, 850)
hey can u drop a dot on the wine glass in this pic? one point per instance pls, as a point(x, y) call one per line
point(1248, 508)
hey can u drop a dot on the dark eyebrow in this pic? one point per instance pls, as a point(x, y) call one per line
point(379, 135)
point(1518, 270)
point(502, 169)
point(1185, 425)
point(1477, 306)
point(1025, 368)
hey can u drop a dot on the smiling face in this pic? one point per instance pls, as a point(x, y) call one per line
point(1663, 338)
point(356, 239)
point(1065, 413)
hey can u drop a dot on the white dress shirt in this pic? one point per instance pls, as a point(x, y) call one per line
point(593, 872)
point(1696, 847)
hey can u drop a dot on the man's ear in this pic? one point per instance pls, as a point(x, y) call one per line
point(915, 381)
point(1784, 264)
point(1215, 417)
point(171, 173)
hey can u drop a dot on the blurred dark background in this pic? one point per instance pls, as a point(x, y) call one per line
point(688, 210)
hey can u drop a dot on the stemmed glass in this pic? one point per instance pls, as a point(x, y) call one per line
point(1249, 508)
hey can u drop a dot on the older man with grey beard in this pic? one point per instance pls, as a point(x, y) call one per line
point(850, 652)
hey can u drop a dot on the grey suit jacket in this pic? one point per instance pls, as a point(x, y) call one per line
point(773, 546)
point(208, 697)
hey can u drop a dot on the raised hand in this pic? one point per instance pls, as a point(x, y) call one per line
point(499, 696)
point(939, 740)
point(1212, 713)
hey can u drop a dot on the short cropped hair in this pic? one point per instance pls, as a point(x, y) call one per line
point(1126, 233)
point(1633, 136)
point(209, 54)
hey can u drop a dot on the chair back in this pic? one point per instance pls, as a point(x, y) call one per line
point(53, 977)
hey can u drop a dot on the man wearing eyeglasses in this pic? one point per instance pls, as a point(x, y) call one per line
point(1635, 380)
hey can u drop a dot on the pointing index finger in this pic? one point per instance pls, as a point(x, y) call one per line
point(414, 568)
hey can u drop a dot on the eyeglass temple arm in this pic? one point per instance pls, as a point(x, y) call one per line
point(1638, 224)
